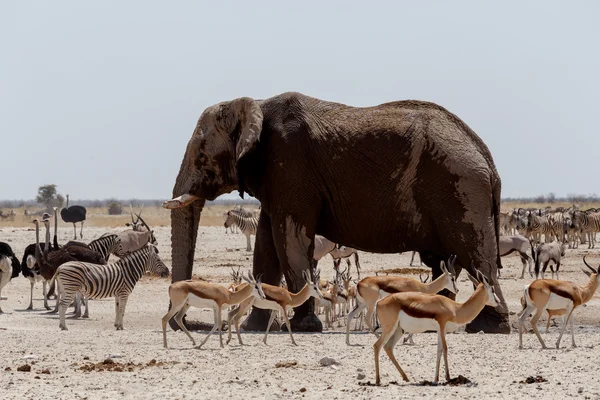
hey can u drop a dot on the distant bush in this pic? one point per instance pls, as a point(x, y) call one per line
point(115, 208)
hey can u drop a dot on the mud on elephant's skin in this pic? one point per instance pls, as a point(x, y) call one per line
point(400, 176)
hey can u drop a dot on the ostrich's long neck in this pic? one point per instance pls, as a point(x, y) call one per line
point(38, 249)
point(55, 222)
point(47, 245)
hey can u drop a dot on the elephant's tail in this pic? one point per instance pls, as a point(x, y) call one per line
point(496, 189)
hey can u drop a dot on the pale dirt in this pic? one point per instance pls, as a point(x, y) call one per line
point(492, 362)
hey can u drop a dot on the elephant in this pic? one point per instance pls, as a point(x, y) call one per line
point(400, 176)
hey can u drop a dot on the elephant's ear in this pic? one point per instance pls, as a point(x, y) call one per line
point(250, 118)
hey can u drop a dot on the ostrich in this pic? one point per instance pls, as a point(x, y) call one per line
point(9, 267)
point(74, 214)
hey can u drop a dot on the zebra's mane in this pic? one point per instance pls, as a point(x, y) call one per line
point(134, 257)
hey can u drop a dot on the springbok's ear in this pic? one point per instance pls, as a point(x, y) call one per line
point(250, 119)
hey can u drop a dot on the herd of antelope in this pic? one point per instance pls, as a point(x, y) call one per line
point(389, 305)
point(403, 304)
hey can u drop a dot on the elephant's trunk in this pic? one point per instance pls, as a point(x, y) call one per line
point(184, 231)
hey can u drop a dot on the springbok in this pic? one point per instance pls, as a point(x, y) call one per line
point(419, 312)
point(185, 294)
point(549, 294)
point(372, 288)
point(276, 299)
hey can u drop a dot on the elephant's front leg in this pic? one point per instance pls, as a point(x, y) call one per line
point(294, 243)
point(266, 265)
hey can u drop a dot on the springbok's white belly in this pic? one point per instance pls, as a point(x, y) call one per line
point(200, 302)
point(451, 327)
point(266, 304)
point(557, 302)
point(416, 325)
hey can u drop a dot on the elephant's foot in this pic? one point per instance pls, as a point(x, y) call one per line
point(305, 323)
point(489, 321)
point(258, 320)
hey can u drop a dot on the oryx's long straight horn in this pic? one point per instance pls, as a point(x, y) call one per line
point(139, 216)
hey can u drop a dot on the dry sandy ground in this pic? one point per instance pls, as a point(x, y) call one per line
point(492, 362)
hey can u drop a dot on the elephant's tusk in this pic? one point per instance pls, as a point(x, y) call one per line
point(181, 201)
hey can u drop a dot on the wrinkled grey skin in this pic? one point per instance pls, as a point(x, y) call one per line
point(396, 177)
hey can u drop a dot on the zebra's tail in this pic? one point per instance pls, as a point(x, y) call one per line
point(55, 276)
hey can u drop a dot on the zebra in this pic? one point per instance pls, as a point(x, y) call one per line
point(106, 245)
point(538, 225)
point(112, 280)
point(588, 223)
point(247, 225)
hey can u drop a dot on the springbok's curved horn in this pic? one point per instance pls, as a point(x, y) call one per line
point(588, 265)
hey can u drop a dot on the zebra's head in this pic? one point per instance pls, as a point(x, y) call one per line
point(155, 265)
point(576, 220)
point(228, 220)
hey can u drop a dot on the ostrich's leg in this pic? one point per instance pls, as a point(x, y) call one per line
point(81, 231)
point(31, 295)
point(74, 232)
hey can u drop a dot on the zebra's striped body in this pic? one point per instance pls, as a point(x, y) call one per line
point(247, 225)
point(538, 225)
point(112, 280)
point(588, 223)
point(106, 245)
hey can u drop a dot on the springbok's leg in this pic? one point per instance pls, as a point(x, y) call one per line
point(165, 320)
point(534, 321)
point(288, 326)
point(179, 320)
point(572, 333)
point(438, 357)
point(389, 349)
point(445, 350)
point(524, 314)
point(219, 310)
point(562, 330)
point(357, 310)
point(383, 339)
point(214, 328)
point(271, 318)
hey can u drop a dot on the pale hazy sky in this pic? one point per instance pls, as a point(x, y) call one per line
point(101, 98)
